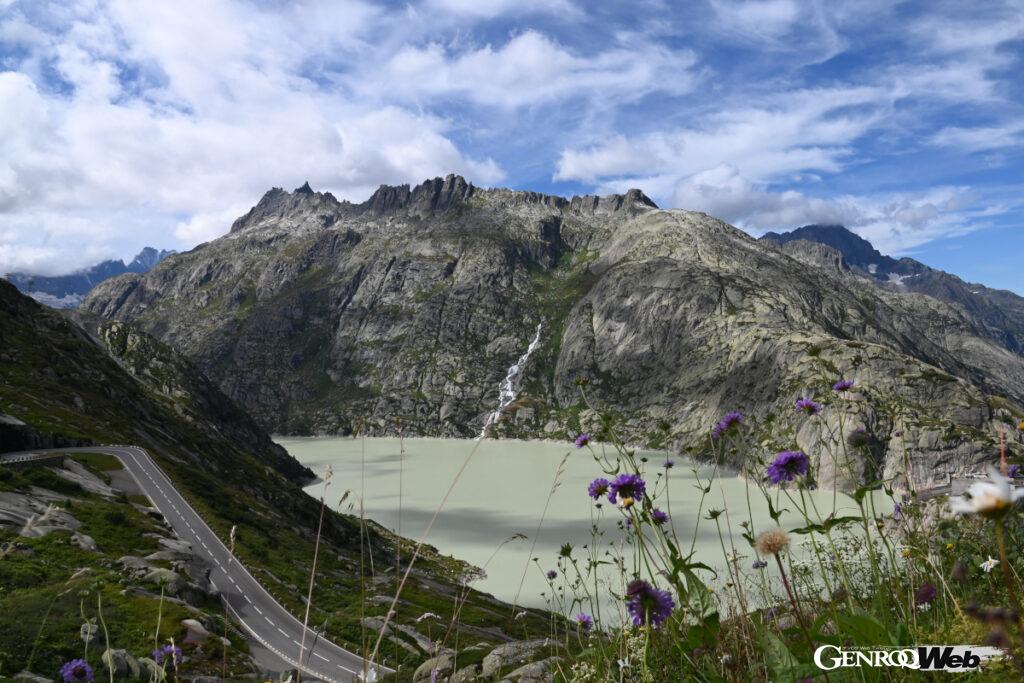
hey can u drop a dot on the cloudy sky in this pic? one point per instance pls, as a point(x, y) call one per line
point(128, 123)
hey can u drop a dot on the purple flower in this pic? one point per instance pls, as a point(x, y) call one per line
point(585, 621)
point(647, 604)
point(669, 463)
point(626, 488)
point(582, 440)
point(659, 516)
point(807, 405)
point(728, 422)
point(787, 466)
point(759, 564)
point(552, 575)
point(842, 385)
point(897, 511)
point(171, 653)
point(598, 488)
point(925, 594)
point(1014, 471)
point(75, 671)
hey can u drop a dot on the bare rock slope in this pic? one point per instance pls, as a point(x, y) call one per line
point(404, 312)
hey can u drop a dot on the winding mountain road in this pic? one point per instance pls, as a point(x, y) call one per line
point(254, 608)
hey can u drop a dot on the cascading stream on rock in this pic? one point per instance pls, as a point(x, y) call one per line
point(507, 392)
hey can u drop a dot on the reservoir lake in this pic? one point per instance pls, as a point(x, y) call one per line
point(503, 492)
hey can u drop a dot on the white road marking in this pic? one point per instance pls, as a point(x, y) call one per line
point(258, 609)
point(281, 631)
point(317, 654)
point(269, 621)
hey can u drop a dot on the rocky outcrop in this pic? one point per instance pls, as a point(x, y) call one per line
point(405, 311)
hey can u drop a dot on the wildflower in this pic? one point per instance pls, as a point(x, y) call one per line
point(598, 488)
point(552, 575)
point(808, 406)
point(623, 663)
point(658, 516)
point(626, 489)
point(584, 621)
point(988, 498)
point(759, 564)
point(1021, 425)
point(1014, 471)
point(787, 466)
point(772, 541)
point(925, 594)
point(727, 424)
point(950, 546)
point(725, 660)
point(75, 671)
point(670, 463)
point(519, 615)
point(427, 615)
point(897, 511)
point(842, 385)
point(171, 653)
point(582, 440)
point(989, 564)
point(647, 604)
point(565, 550)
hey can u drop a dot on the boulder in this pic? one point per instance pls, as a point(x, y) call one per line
point(517, 652)
point(442, 664)
point(534, 672)
point(122, 664)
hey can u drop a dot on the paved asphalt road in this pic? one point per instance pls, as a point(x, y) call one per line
point(257, 611)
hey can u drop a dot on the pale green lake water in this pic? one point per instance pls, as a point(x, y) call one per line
point(503, 492)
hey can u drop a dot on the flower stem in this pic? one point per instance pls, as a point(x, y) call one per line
point(1005, 565)
point(792, 601)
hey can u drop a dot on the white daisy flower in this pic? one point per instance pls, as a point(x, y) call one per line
point(988, 498)
point(989, 564)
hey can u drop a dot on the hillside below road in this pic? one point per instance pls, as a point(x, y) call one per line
point(254, 608)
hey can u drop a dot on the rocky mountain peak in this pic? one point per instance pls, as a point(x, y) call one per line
point(429, 198)
point(856, 250)
point(277, 203)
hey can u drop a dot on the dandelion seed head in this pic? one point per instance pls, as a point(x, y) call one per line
point(772, 541)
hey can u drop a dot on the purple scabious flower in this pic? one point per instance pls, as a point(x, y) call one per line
point(585, 621)
point(1013, 471)
point(669, 463)
point(897, 511)
point(647, 604)
point(729, 421)
point(582, 440)
point(759, 564)
point(171, 653)
point(787, 466)
point(925, 594)
point(842, 385)
point(626, 488)
point(598, 488)
point(552, 575)
point(76, 671)
point(659, 517)
point(808, 405)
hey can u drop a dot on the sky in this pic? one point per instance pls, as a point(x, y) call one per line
point(125, 124)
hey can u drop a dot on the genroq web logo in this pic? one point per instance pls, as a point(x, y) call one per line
point(920, 657)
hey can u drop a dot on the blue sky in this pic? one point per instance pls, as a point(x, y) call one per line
point(124, 124)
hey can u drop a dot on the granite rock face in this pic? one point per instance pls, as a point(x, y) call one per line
point(405, 312)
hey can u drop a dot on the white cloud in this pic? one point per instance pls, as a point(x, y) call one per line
point(532, 68)
point(893, 222)
point(803, 130)
point(490, 9)
point(981, 138)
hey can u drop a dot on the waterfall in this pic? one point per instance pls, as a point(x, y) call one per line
point(507, 391)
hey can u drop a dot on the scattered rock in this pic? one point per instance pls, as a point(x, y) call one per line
point(76, 473)
point(84, 542)
point(122, 664)
point(516, 652)
point(534, 672)
point(442, 664)
point(29, 677)
point(466, 674)
point(195, 632)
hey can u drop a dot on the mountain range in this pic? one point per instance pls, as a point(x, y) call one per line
point(67, 291)
point(403, 313)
